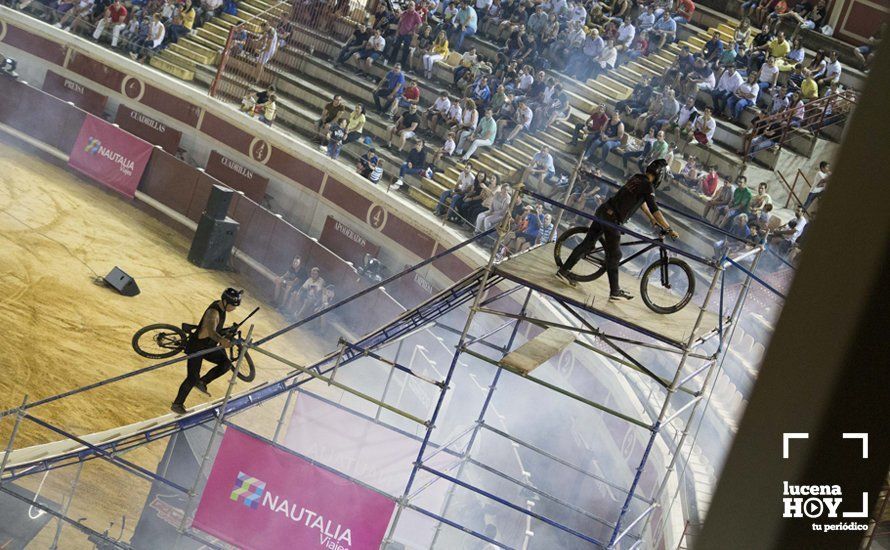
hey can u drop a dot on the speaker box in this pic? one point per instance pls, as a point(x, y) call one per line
point(213, 242)
point(218, 202)
point(122, 282)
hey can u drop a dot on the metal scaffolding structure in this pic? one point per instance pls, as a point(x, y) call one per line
point(490, 294)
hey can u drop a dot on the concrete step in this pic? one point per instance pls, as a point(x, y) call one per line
point(192, 51)
point(168, 66)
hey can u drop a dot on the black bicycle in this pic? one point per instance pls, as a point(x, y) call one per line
point(162, 340)
point(667, 285)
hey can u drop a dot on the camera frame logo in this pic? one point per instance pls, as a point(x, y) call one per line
point(822, 501)
point(249, 488)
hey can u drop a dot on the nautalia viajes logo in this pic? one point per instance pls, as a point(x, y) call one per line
point(94, 147)
point(248, 489)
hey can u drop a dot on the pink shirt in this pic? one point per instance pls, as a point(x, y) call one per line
point(409, 21)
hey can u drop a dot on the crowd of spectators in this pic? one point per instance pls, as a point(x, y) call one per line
point(298, 293)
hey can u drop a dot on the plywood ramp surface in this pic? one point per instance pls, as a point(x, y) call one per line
point(537, 269)
point(538, 350)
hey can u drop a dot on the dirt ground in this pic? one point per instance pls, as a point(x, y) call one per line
point(62, 331)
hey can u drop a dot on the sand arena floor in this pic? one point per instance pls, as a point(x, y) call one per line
point(62, 331)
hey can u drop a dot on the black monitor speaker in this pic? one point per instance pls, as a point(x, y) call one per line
point(212, 246)
point(218, 203)
point(121, 282)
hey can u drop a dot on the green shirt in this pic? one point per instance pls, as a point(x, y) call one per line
point(487, 128)
point(659, 150)
point(741, 198)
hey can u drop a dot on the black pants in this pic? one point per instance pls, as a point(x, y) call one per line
point(612, 238)
point(218, 358)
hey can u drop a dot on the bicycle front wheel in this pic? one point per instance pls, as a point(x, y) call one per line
point(159, 341)
point(667, 286)
point(591, 266)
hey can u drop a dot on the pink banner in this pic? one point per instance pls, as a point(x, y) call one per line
point(262, 497)
point(110, 155)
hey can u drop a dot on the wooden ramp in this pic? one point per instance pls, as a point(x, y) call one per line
point(536, 269)
point(538, 350)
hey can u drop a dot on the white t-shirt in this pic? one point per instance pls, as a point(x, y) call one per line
point(441, 105)
point(767, 73)
point(626, 33)
point(749, 89)
point(377, 43)
point(455, 111)
point(818, 182)
point(608, 57)
point(706, 127)
point(525, 81)
point(729, 82)
point(157, 31)
point(833, 70)
point(801, 223)
point(685, 114)
point(526, 116)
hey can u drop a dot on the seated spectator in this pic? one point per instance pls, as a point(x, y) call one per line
point(703, 128)
point(759, 224)
point(689, 174)
point(115, 16)
point(552, 110)
point(710, 182)
point(447, 149)
point(684, 11)
point(483, 136)
point(414, 165)
point(809, 19)
point(464, 182)
point(335, 136)
point(469, 118)
point(287, 283)
point(521, 120)
point(474, 193)
point(809, 88)
point(832, 73)
point(702, 76)
point(370, 52)
point(865, 53)
point(270, 108)
point(438, 50)
point(420, 46)
point(626, 34)
point(786, 236)
point(729, 82)
point(528, 230)
point(439, 112)
point(720, 200)
point(497, 209)
point(646, 19)
point(581, 63)
point(798, 111)
point(633, 105)
point(207, 10)
point(404, 127)
point(713, 49)
point(540, 171)
point(745, 95)
point(593, 125)
point(637, 149)
point(605, 61)
point(329, 113)
point(609, 138)
point(467, 64)
point(367, 162)
point(476, 202)
point(585, 197)
point(409, 95)
point(309, 295)
point(355, 124)
point(465, 22)
point(741, 198)
point(388, 88)
point(138, 35)
point(376, 171)
point(768, 76)
point(184, 20)
point(639, 48)
point(664, 31)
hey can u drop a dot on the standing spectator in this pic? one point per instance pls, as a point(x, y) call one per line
point(414, 165)
point(388, 87)
point(405, 127)
point(335, 136)
point(820, 181)
point(409, 22)
point(115, 16)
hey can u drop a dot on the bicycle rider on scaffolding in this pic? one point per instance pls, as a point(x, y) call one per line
point(638, 192)
point(208, 334)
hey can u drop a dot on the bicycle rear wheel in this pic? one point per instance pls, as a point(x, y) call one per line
point(159, 341)
point(591, 266)
point(667, 286)
point(247, 372)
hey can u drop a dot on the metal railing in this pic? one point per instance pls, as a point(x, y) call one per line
point(780, 128)
point(792, 187)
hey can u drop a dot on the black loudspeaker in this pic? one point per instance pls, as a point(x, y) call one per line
point(122, 282)
point(218, 203)
point(213, 243)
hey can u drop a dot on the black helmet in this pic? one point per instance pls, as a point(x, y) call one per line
point(657, 168)
point(232, 296)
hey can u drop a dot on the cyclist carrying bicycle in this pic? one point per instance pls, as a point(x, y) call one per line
point(638, 192)
point(208, 334)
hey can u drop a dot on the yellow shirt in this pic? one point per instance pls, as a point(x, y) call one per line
point(355, 123)
point(442, 49)
point(779, 49)
point(809, 89)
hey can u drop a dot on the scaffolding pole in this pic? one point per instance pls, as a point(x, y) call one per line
point(664, 410)
point(486, 274)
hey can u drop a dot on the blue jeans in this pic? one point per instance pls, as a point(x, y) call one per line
point(458, 36)
point(680, 20)
point(720, 98)
point(334, 149)
point(410, 171)
point(736, 106)
point(381, 94)
point(607, 146)
point(443, 198)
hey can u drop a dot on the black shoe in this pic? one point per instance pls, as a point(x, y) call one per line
point(202, 387)
point(621, 294)
point(177, 409)
point(566, 278)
